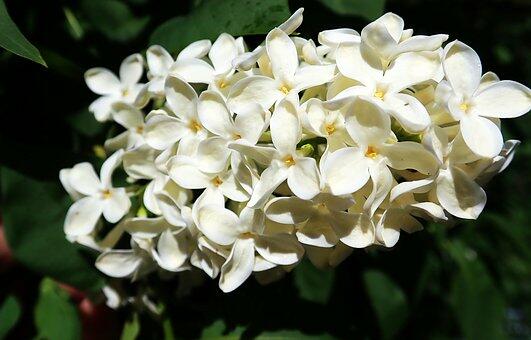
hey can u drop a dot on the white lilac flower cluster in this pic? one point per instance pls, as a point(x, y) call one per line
point(241, 162)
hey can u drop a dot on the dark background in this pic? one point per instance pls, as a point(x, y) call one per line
point(470, 281)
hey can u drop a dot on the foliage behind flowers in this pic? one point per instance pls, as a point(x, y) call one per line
point(288, 149)
point(440, 281)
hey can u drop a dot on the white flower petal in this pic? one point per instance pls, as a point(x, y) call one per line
point(193, 70)
point(82, 216)
point(358, 229)
point(159, 60)
point(285, 127)
point(172, 250)
point(345, 171)
point(116, 206)
point(459, 195)
point(409, 112)
point(214, 114)
point(410, 155)
point(102, 81)
point(288, 210)
point(212, 155)
point(313, 75)
point(270, 179)
point(118, 263)
point(139, 163)
point(64, 177)
point(334, 37)
point(304, 179)
point(127, 115)
point(108, 167)
point(219, 225)
point(261, 154)
point(411, 68)
point(131, 69)
point(162, 131)
point(420, 43)
point(419, 186)
point(462, 68)
point(197, 49)
point(318, 233)
point(503, 99)
point(222, 52)
point(294, 21)
point(232, 189)
point(281, 249)
point(102, 108)
point(481, 135)
point(260, 90)
point(382, 181)
point(187, 174)
point(180, 96)
point(350, 62)
point(282, 54)
point(367, 123)
point(83, 179)
point(239, 265)
point(251, 124)
point(144, 228)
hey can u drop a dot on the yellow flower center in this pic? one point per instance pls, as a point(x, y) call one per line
point(464, 107)
point(222, 84)
point(195, 126)
point(236, 136)
point(284, 89)
point(289, 161)
point(371, 152)
point(330, 128)
point(379, 94)
point(106, 194)
point(139, 129)
point(217, 181)
point(125, 92)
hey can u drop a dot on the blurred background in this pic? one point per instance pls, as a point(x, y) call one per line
point(471, 281)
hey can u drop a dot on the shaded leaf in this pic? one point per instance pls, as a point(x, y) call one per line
point(55, 316)
point(478, 305)
point(33, 213)
point(314, 284)
point(114, 19)
point(131, 329)
point(368, 9)
point(235, 17)
point(14, 41)
point(218, 330)
point(84, 123)
point(388, 301)
point(9, 315)
point(292, 334)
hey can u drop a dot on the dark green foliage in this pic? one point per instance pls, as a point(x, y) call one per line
point(471, 281)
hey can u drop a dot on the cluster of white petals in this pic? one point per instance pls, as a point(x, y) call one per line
point(240, 161)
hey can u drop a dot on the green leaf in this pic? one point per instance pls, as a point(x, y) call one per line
point(55, 316)
point(368, 9)
point(213, 17)
point(84, 123)
point(114, 19)
point(9, 314)
point(478, 306)
point(131, 329)
point(292, 334)
point(388, 301)
point(14, 41)
point(218, 330)
point(33, 213)
point(314, 284)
